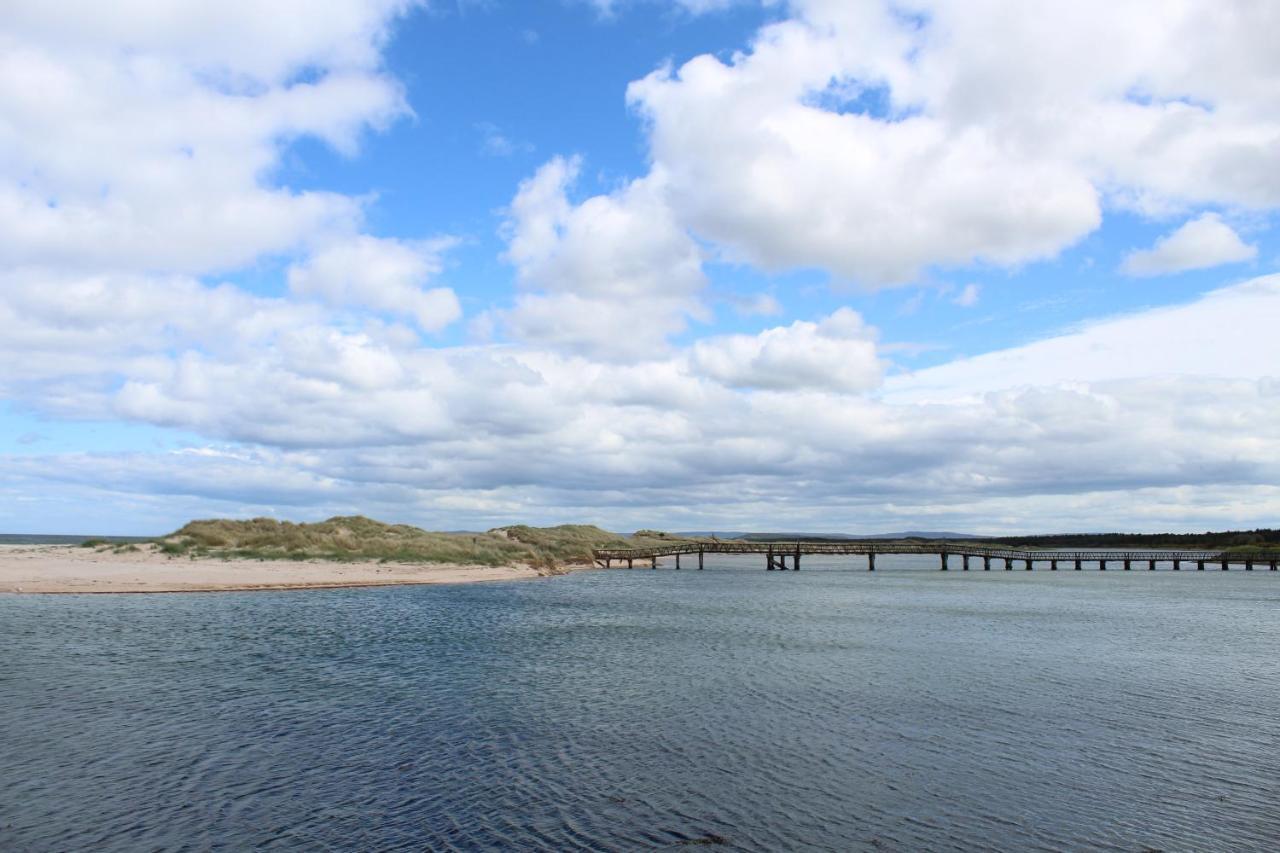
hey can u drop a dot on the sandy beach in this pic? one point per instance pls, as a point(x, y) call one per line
point(72, 569)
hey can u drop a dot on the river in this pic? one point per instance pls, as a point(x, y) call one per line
point(733, 708)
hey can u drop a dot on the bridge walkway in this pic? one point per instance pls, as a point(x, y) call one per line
point(777, 555)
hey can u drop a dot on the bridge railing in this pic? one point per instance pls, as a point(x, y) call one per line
point(950, 548)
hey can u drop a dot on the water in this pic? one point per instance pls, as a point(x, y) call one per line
point(824, 709)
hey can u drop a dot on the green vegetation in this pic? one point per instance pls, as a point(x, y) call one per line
point(351, 538)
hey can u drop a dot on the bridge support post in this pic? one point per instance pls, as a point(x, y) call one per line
point(1028, 561)
point(1273, 565)
point(1008, 564)
point(629, 566)
point(1199, 565)
point(1077, 565)
point(768, 560)
point(871, 561)
point(608, 563)
point(699, 559)
point(986, 564)
point(1053, 565)
point(1225, 562)
point(964, 562)
point(1126, 565)
point(1177, 565)
point(1248, 565)
point(677, 562)
point(1102, 565)
point(795, 560)
point(653, 562)
point(944, 561)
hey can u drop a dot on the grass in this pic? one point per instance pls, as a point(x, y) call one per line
point(356, 538)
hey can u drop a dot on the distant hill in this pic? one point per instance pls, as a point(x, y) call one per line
point(826, 537)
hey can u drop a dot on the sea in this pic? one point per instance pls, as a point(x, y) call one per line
point(728, 709)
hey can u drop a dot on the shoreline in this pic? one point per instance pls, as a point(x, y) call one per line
point(74, 570)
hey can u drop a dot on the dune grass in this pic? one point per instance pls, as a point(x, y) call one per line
point(356, 538)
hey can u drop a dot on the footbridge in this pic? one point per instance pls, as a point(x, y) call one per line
point(781, 556)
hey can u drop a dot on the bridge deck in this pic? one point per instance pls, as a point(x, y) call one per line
point(944, 550)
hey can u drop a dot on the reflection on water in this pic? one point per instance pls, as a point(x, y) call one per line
point(820, 709)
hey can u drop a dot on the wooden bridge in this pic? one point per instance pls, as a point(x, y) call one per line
point(778, 554)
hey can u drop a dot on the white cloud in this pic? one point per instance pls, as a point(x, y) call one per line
point(1203, 242)
point(876, 144)
point(838, 353)
point(385, 275)
point(756, 304)
point(608, 8)
point(615, 275)
point(968, 296)
point(495, 143)
point(140, 138)
point(1182, 340)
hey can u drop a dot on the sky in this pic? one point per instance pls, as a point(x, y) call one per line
point(803, 265)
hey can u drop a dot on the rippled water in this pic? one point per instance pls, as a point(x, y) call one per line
point(821, 709)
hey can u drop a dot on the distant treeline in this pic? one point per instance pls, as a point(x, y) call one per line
point(1266, 539)
point(1260, 538)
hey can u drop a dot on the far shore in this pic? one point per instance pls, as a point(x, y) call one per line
point(53, 569)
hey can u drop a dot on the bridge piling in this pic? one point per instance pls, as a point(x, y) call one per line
point(780, 556)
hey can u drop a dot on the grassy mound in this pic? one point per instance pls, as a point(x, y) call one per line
point(350, 538)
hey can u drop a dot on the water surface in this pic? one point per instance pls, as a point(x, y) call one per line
point(829, 708)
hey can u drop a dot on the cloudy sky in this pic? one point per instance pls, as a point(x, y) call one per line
point(853, 265)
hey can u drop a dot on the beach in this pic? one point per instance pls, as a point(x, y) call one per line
point(74, 569)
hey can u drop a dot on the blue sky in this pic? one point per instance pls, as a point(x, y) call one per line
point(688, 264)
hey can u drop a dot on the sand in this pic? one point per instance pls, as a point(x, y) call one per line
point(72, 569)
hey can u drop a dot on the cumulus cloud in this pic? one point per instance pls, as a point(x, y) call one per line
point(614, 275)
point(1203, 242)
point(875, 142)
point(838, 353)
point(138, 139)
point(385, 275)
